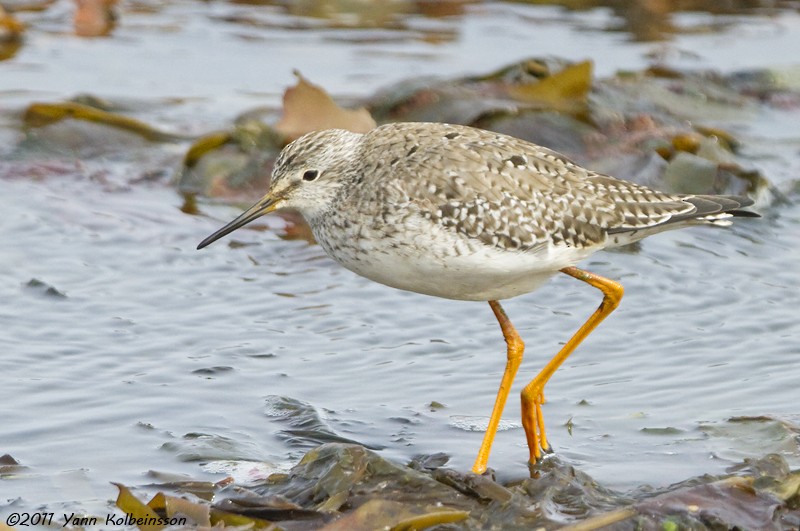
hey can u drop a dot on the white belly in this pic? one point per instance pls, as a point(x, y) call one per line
point(444, 264)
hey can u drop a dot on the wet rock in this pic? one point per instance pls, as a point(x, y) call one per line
point(10, 467)
point(347, 486)
point(351, 487)
point(615, 124)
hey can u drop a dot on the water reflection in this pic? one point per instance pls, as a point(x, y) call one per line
point(641, 20)
point(660, 20)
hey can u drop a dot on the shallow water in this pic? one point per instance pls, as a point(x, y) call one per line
point(150, 355)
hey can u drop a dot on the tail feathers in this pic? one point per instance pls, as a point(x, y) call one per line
point(708, 205)
point(696, 210)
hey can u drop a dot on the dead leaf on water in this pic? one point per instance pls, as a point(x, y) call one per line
point(564, 91)
point(10, 35)
point(169, 508)
point(10, 28)
point(307, 107)
point(205, 144)
point(130, 505)
point(43, 114)
point(173, 506)
point(94, 18)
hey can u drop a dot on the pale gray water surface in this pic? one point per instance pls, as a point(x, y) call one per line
point(150, 355)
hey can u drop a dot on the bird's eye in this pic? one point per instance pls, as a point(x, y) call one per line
point(310, 175)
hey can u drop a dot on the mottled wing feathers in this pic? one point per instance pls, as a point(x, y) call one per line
point(515, 195)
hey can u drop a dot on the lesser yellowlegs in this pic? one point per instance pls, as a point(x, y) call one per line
point(461, 213)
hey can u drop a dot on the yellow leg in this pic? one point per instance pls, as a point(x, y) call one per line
point(533, 393)
point(515, 349)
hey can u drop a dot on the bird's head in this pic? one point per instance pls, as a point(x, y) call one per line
point(307, 176)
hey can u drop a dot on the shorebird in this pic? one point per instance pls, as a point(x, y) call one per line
point(462, 213)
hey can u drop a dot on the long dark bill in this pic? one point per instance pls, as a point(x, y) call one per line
point(264, 206)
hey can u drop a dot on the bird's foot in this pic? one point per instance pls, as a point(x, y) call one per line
point(533, 422)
